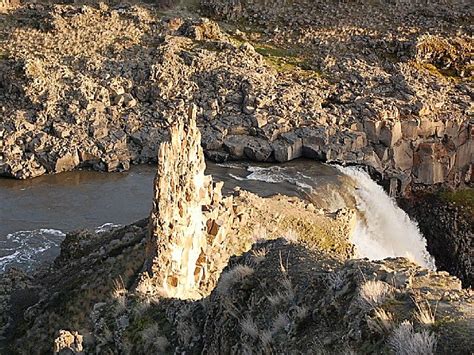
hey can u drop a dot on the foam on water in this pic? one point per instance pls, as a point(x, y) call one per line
point(278, 174)
point(106, 227)
point(28, 248)
point(383, 229)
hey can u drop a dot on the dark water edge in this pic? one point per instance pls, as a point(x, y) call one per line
point(35, 214)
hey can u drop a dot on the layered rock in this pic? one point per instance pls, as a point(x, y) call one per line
point(390, 101)
point(448, 228)
point(190, 220)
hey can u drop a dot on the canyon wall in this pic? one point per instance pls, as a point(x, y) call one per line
point(398, 101)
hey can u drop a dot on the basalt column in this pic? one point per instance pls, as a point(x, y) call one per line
point(189, 221)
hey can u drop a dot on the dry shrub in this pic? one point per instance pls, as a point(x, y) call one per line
point(230, 278)
point(249, 327)
point(335, 281)
point(381, 322)
point(153, 340)
point(373, 294)
point(280, 322)
point(424, 314)
point(405, 341)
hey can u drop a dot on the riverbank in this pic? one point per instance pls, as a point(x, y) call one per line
point(267, 88)
point(203, 265)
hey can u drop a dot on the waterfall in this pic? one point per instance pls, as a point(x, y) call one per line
point(383, 229)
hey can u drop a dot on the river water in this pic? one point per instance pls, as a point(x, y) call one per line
point(35, 214)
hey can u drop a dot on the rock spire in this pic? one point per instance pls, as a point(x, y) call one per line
point(189, 220)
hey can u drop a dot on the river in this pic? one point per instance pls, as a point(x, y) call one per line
point(35, 214)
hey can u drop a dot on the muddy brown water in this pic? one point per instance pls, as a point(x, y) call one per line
point(35, 214)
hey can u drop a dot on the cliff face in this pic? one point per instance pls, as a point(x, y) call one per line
point(179, 252)
point(449, 228)
point(289, 82)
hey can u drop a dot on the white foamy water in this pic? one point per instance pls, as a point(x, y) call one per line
point(106, 227)
point(278, 174)
point(28, 248)
point(384, 230)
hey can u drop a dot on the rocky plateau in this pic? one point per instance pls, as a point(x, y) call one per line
point(385, 84)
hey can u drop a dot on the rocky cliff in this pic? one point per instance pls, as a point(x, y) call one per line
point(446, 219)
point(171, 284)
point(96, 86)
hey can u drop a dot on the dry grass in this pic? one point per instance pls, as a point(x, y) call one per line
point(424, 314)
point(249, 327)
point(284, 296)
point(335, 281)
point(291, 236)
point(266, 338)
point(118, 288)
point(300, 313)
point(405, 341)
point(280, 322)
point(143, 304)
point(373, 294)
point(382, 321)
point(153, 340)
point(232, 277)
point(119, 294)
point(258, 256)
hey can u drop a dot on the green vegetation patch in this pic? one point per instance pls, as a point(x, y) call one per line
point(464, 198)
point(284, 60)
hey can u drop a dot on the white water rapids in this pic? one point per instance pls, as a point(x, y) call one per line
point(30, 208)
point(384, 230)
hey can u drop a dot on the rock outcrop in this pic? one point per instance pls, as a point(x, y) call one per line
point(190, 222)
point(278, 87)
point(449, 229)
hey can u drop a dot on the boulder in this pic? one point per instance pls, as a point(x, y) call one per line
point(403, 156)
point(427, 128)
point(68, 343)
point(409, 129)
point(257, 149)
point(288, 147)
point(67, 162)
point(431, 163)
point(372, 129)
point(235, 145)
point(314, 145)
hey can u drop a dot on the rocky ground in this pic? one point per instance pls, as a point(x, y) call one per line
point(236, 274)
point(384, 84)
point(379, 83)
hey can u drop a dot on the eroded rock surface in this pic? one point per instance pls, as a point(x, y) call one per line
point(96, 86)
point(190, 221)
point(131, 290)
point(448, 227)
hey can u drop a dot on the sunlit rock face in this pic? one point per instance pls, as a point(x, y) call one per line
point(189, 220)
